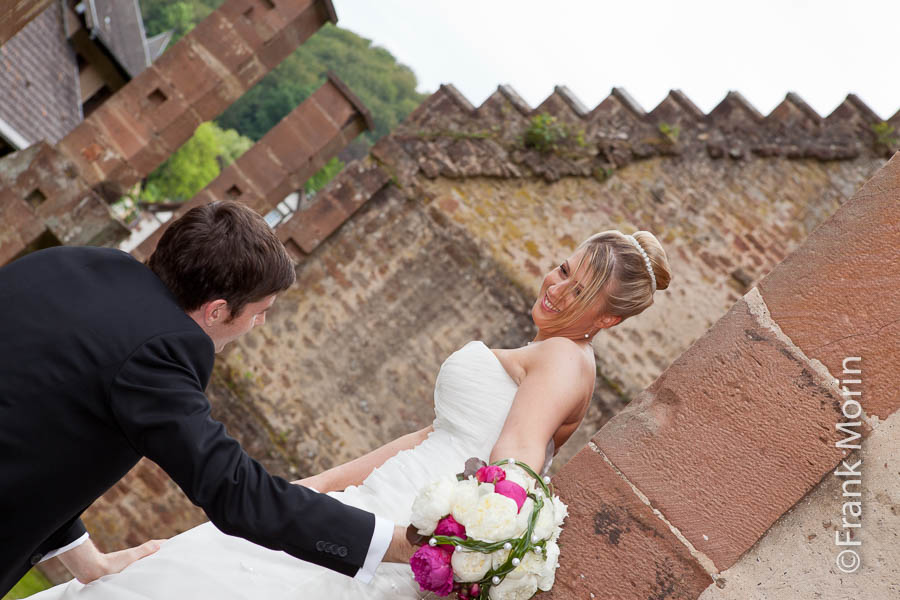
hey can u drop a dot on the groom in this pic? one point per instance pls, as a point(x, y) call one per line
point(104, 360)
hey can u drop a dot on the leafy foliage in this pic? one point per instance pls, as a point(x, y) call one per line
point(387, 88)
point(323, 175)
point(179, 17)
point(670, 132)
point(195, 164)
point(545, 133)
point(884, 136)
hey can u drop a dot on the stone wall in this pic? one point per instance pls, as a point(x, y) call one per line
point(440, 237)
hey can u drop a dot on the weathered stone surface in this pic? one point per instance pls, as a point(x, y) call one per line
point(612, 545)
point(797, 558)
point(333, 205)
point(837, 295)
point(44, 202)
point(729, 437)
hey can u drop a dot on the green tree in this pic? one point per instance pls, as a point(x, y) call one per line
point(386, 87)
point(195, 164)
point(323, 175)
point(179, 17)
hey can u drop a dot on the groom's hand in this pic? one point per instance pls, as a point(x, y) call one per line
point(401, 549)
point(87, 563)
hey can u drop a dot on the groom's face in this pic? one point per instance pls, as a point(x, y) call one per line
point(254, 314)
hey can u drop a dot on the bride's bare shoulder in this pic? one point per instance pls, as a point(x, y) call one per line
point(562, 355)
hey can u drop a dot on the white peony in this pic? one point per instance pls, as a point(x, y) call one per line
point(546, 521)
point(492, 519)
point(432, 504)
point(523, 517)
point(555, 537)
point(470, 566)
point(548, 574)
point(464, 498)
point(543, 566)
point(560, 511)
point(514, 588)
point(517, 474)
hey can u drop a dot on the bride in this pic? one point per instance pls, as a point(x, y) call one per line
point(490, 403)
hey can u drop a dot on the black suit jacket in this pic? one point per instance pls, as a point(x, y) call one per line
point(100, 366)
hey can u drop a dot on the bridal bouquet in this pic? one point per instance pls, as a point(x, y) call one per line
point(493, 532)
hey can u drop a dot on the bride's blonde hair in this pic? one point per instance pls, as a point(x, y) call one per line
point(617, 277)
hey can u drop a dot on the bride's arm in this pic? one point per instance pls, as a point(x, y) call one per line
point(552, 389)
point(355, 471)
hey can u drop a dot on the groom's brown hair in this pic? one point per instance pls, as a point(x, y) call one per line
point(221, 250)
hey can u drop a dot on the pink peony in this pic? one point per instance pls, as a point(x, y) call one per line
point(490, 474)
point(432, 570)
point(511, 490)
point(449, 526)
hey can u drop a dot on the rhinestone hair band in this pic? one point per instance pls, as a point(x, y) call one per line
point(637, 245)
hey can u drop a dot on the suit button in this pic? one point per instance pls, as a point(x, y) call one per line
point(329, 548)
point(36, 558)
point(320, 545)
point(342, 551)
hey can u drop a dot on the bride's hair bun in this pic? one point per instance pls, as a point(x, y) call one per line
point(658, 259)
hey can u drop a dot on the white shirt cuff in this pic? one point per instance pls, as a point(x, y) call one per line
point(67, 547)
point(381, 540)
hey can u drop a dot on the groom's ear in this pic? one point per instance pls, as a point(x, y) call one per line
point(214, 312)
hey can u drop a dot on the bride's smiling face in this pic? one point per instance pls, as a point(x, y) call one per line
point(558, 291)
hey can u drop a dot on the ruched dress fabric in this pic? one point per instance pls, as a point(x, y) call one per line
point(472, 396)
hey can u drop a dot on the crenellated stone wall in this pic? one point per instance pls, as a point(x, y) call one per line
point(441, 236)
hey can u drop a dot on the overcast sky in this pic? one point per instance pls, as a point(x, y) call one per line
point(765, 48)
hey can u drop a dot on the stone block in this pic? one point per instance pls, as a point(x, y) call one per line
point(216, 100)
point(334, 103)
point(151, 98)
point(179, 131)
point(315, 126)
point(837, 295)
point(310, 227)
point(612, 545)
point(217, 35)
point(152, 154)
point(188, 67)
point(287, 143)
point(232, 184)
point(260, 165)
point(292, 35)
point(92, 152)
point(246, 17)
point(729, 437)
point(250, 73)
point(128, 133)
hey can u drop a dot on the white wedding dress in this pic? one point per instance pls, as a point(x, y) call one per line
point(472, 396)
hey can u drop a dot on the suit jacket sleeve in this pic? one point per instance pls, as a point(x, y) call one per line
point(66, 534)
point(157, 398)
